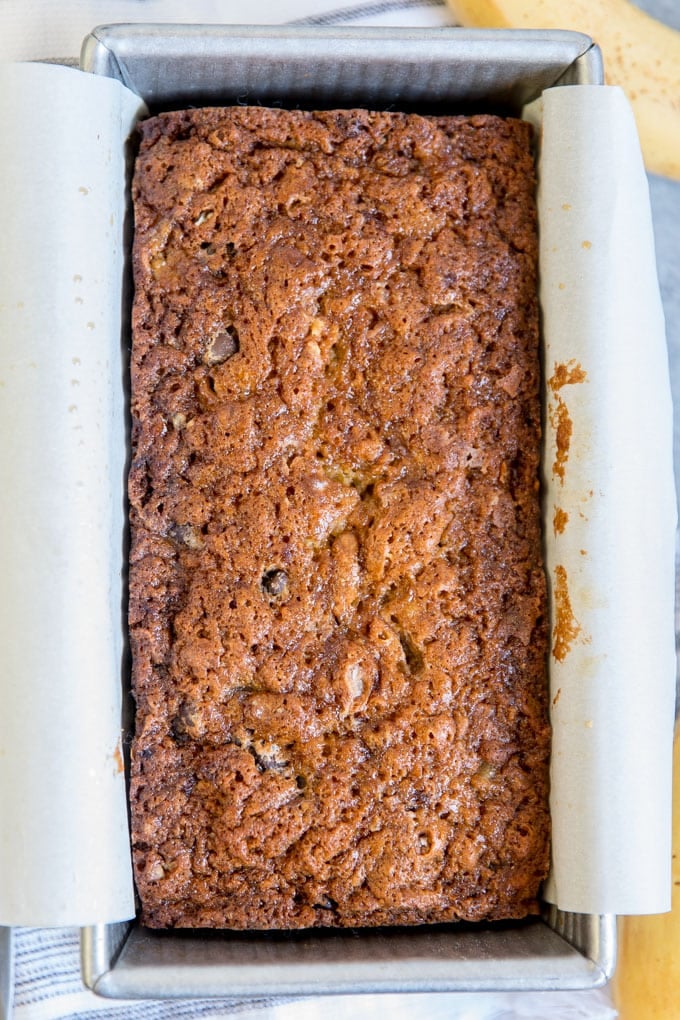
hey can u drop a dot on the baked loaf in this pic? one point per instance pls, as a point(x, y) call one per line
point(336, 591)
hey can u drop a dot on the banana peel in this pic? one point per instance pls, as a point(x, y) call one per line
point(640, 54)
point(647, 980)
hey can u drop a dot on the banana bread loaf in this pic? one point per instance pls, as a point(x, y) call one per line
point(336, 590)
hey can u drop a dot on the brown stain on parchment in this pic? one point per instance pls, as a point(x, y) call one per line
point(566, 628)
point(568, 373)
point(560, 520)
point(118, 760)
point(563, 426)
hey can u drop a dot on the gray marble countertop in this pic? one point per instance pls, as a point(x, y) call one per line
point(665, 198)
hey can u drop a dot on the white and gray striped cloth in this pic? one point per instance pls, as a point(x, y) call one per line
point(47, 983)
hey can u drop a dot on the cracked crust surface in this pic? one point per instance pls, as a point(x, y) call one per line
point(336, 589)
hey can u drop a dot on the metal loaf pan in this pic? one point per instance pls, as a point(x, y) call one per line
point(429, 70)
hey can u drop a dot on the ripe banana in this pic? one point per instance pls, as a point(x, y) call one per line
point(640, 54)
point(647, 979)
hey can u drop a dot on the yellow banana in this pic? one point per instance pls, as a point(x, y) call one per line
point(647, 979)
point(640, 54)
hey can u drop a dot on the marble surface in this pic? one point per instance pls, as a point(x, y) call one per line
point(665, 199)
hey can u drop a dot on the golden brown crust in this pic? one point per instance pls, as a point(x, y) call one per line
point(336, 590)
